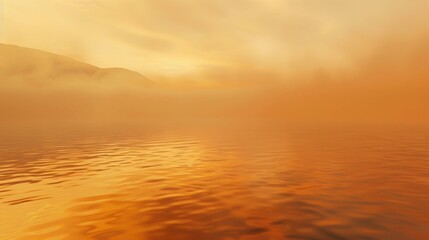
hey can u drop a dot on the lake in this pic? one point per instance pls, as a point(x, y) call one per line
point(229, 181)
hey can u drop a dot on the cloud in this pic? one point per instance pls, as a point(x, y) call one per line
point(299, 60)
point(181, 39)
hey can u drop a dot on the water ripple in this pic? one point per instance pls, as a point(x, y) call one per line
point(295, 183)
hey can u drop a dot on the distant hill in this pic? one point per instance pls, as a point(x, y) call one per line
point(36, 86)
point(40, 86)
point(37, 67)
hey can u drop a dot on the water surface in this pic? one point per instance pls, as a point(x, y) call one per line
point(230, 182)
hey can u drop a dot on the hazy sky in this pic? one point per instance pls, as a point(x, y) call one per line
point(351, 60)
point(210, 39)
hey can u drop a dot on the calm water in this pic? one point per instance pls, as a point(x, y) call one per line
point(207, 183)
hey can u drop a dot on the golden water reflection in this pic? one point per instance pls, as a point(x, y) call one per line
point(216, 183)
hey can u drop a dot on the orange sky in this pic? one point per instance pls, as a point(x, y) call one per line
point(310, 60)
point(212, 39)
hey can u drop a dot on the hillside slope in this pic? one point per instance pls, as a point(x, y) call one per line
point(20, 65)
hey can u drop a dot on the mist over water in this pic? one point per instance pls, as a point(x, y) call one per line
point(215, 181)
point(214, 119)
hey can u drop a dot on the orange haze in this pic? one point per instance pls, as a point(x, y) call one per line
point(293, 61)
